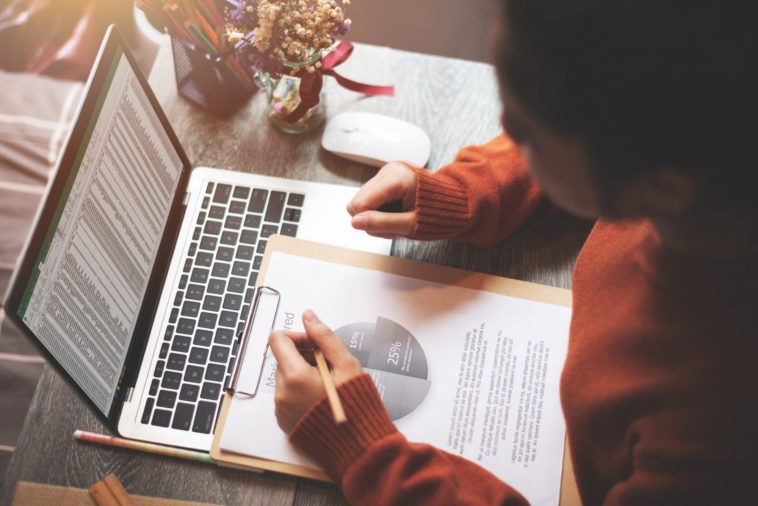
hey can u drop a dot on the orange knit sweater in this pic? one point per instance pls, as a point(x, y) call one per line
point(658, 390)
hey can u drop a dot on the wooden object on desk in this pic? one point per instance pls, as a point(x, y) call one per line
point(455, 101)
point(38, 494)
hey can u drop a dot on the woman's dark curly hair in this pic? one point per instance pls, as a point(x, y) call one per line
point(645, 84)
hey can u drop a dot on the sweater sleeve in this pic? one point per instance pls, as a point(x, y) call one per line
point(481, 198)
point(375, 465)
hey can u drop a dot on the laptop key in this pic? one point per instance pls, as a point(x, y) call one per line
point(216, 286)
point(195, 292)
point(159, 367)
point(206, 412)
point(161, 418)
point(192, 249)
point(236, 285)
point(269, 230)
point(212, 227)
point(237, 207)
point(240, 268)
point(261, 249)
point(225, 253)
point(292, 214)
point(178, 298)
point(212, 303)
point(183, 416)
point(208, 243)
point(166, 399)
point(245, 311)
point(171, 380)
point(296, 199)
point(183, 282)
point(220, 354)
point(233, 222)
point(229, 237)
point(191, 308)
point(227, 319)
point(207, 320)
point(148, 410)
point(253, 220)
point(275, 207)
point(249, 294)
point(204, 259)
point(169, 333)
point(224, 336)
point(215, 372)
point(154, 386)
point(203, 338)
point(210, 391)
point(181, 344)
point(193, 374)
point(200, 218)
point(245, 252)
point(232, 301)
point(196, 233)
point(206, 201)
point(176, 361)
point(174, 315)
point(220, 270)
point(185, 326)
point(223, 191)
point(164, 350)
point(253, 277)
point(257, 263)
point(187, 265)
point(248, 236)
point(217, 212)
point(199, 275)
point(257, 201)
point(209, 188)
point(241, 192)
point(188, 392)
point(198, 355)
point(289, 229)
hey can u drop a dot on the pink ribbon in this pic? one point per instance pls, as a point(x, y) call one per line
point(311, 84)
point(337, 57)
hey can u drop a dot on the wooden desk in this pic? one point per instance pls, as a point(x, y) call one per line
point(454, 100)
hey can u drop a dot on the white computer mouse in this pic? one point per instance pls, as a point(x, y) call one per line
point(375, 139)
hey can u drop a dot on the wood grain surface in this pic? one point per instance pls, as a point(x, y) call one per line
point(455, 101)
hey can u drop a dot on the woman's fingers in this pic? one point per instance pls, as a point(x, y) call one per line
point(344, 364)
point(394, 182)
point(385, 224)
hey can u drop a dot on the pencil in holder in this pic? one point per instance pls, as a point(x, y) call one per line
point(215, 83)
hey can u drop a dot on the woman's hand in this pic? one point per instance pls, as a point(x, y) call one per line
point(298, 383)
point(394, 183)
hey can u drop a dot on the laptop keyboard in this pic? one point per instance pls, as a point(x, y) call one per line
point(216, 287)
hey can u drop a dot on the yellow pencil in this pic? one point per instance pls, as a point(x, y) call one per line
point(143, 447)
point(331, 391)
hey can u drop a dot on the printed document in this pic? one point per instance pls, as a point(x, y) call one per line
point(471, 372)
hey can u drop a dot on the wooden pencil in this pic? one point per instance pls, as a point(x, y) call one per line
point(331, 391)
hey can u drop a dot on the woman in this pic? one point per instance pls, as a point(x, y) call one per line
point(641, 115)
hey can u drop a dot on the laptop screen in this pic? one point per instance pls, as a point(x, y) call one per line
point(85, 291)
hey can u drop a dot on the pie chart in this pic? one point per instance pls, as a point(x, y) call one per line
point(394, 359)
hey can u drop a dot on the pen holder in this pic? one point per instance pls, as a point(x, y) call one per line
point(211, 82)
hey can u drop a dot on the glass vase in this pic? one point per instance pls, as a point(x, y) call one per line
point(285, 92)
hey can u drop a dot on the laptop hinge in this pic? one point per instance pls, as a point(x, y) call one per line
point(186, 199)
point(129, 394)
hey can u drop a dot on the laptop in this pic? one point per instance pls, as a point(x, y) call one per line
point(140, 270)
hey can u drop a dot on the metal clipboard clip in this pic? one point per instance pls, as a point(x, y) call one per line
point(257, 330)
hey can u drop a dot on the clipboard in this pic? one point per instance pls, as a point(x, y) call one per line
point(264, 318)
